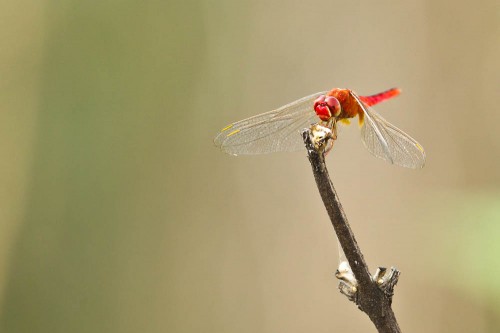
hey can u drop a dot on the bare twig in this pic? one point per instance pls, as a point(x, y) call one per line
point(373, 296)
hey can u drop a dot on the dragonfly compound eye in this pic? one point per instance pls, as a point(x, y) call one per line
point(321, 108)
point(319, 100)
point(334, 105)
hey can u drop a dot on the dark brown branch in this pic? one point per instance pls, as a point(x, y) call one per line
point(370, 297)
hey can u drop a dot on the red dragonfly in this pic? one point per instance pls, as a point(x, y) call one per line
point(278, 130)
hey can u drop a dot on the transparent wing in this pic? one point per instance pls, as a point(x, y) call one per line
point(388, 142)
point(273, 131)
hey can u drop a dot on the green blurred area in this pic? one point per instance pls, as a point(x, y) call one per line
point(118, 214)
point(91, 244)
point(476, 230)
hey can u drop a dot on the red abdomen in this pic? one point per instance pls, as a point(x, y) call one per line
point(380, 97)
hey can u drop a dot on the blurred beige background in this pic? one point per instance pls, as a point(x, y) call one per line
point(117, 213)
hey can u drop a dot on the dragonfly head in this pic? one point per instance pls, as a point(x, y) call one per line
point(327, 107)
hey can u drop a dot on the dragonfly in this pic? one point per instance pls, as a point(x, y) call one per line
point(279, 130)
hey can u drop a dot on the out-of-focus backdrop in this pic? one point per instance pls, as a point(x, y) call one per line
point(117, 213)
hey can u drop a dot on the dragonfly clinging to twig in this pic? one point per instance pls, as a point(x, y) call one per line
point(278, 130)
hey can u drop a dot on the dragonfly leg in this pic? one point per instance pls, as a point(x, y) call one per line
point(332, 125)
